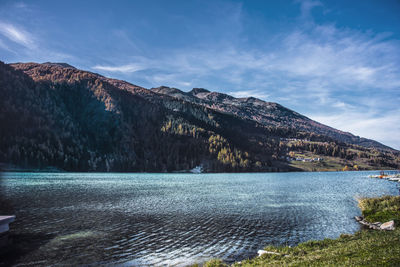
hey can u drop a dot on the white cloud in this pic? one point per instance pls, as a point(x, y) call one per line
point(129, 68)
point(384, 128)
point(21, 5)
point(31, 45)
point(306, 6)
point(171, 79)
point(16, 35)
point(249, 93)
point(341, 57)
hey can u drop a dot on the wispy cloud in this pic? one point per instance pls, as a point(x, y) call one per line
point(322, 59)
point(306, 7)
point(381, 127)
point(169, 79)
point(24, 37)
point(342, 57)
point(21, 5)
point(248, 93)
point(16, 34)
point(129, 68)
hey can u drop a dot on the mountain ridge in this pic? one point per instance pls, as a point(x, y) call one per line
point(213, 97)
point(56, 115)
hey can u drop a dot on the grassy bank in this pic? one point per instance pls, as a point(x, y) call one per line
point(381, 209)
point(364, 248)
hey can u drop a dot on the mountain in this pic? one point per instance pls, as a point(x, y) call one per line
point(265, 113)
point(55, 115)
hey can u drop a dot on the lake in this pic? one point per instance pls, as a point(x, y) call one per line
point(175, 219)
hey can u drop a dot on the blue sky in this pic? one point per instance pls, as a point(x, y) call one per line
point(337, 62)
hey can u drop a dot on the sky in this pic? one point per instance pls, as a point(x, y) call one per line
point(337, 62)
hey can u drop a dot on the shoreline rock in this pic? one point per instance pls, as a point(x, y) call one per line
point(387, 226)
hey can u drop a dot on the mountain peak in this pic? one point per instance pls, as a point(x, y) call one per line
point(251, 98)
point(166, 90)
point(196, 91)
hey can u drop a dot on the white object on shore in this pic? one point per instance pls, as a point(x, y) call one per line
point(389, 226)
point(197, 169)
point(4, 221)
point(262, 252)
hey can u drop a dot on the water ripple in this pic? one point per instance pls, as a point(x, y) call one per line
point(178, 219)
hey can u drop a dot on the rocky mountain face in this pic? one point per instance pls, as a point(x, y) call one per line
point(54, 115)
point(265, 113)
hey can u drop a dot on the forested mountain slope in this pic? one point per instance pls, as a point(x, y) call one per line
point(266, 113)
point(54, 115)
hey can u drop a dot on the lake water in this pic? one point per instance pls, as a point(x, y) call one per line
point(174, 219)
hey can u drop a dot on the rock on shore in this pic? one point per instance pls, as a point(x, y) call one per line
point(388, 226)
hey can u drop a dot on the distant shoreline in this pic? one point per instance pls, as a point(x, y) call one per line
point(55, 170)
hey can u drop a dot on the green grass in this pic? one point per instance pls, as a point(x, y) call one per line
point(364, 248)
point(215, 263)
point(212, 263)
point(381, 209)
